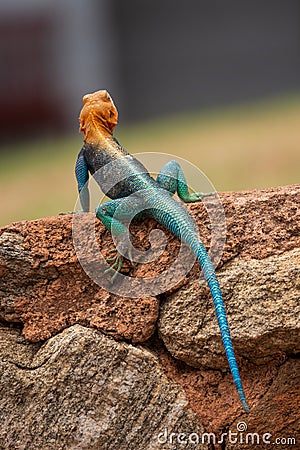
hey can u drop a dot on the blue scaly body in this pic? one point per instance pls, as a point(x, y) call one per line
point(104, 158)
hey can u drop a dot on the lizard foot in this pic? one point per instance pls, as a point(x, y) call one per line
point(117, 261)
point(196, 196)
point(64, 213)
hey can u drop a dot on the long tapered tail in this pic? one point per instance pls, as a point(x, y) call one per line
point(212, 281)
point(178, 222)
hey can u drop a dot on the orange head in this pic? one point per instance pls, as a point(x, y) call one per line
point(98, 117)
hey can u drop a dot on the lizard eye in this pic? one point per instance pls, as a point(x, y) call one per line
point(107, 97)
point(103, 94)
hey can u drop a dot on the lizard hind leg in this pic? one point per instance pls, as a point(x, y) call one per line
point(110, 214)
point(171, 178)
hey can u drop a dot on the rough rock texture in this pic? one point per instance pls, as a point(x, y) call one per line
point(44, 287)
point(83, 390)
point(272, 391)
point(43, 290)
point(276, 418)
point(259, 223)
point(263, 308)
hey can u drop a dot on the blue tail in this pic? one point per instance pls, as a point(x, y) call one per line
point(179, 223)
point(212, 281)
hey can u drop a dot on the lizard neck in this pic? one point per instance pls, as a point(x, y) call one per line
point(96, 133)
point(101, 139)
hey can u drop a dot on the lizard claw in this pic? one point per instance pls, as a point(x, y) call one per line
point(196, 196)
point(201, 195)
point(78, 211)
point(118, 261)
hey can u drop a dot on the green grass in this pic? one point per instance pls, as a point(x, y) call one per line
point(255, 145)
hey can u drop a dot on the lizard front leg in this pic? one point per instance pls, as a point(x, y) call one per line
point(171, 178)
point(82, 177)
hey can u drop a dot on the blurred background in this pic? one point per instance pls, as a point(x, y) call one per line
point(217, 83)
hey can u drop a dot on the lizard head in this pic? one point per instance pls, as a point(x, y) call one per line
point(98, 116)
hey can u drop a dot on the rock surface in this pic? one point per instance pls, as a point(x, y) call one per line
point(83, 389)
point(263, 307)
point(44, 287)
point(276, 419)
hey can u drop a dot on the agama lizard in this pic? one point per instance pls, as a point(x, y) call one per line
point(98, 119)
